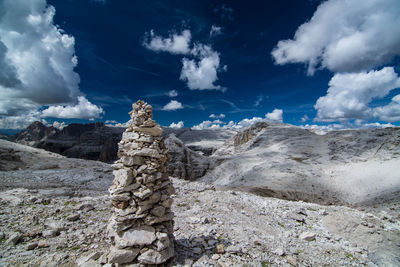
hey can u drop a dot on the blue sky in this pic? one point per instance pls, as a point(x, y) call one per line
point(300, 62)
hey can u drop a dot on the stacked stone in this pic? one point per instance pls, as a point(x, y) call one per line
point(141, 226)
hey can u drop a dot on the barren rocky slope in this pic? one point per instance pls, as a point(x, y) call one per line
point(27, 167)
point(354, 166)
point(41, 225)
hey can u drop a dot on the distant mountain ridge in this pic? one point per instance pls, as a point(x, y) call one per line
point(271, 159)
point(97, 141)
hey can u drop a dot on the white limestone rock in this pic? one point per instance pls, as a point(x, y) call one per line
point(136, 236)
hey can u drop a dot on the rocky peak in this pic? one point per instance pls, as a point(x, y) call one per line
point(35, 133)
point(247, 134)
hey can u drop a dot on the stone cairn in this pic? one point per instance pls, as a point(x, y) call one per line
point(141, 225)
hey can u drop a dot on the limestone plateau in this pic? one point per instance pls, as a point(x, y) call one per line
point(141, 225)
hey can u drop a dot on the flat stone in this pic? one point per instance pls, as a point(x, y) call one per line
point(121, 256)
point(130, 136)
point(158, 211)
point(153, 131)
point(154, 198)
point(163, 241)
point(88, 258)
point(145, 139)
point(292, 261)
point(308, 236)
point(197, 250)
point(86, 207)
point(73, 217)
point(167, 203)
point(136, 236)
point(132, 161)
point(279, 252)
point(154, 257)
point(220, 249)
point(150, 220)
point(120, 205)
point(128, 146)
point(125, 212)
point(120, 197)
point(49, 233)
point(14, 239)
point(142, 194)
point(116, 190)
point(123, 177)
point(31, 246)
point(145, 152)
point(90, 263)
point(42, 244)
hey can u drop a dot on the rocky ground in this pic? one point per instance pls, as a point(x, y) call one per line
point(212, 228)
point(54, 212)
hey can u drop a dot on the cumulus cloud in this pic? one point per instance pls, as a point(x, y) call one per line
point(175, 43)
point(83, 110)
point(345, 36)
point(201, 72)
point(389, 112)
point(275, 115)
point(172, 93)
point(177, 125)
point(349, 96)
point(207, 125)
point(113, 123)
point(173, 105)
point(19, 121)
point(218, 124)
point(215, 30)
point(201, 64)
point(37, 61)
point(59, 125)
point(214, 116)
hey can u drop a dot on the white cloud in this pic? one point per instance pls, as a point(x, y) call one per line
point(218, 124)
point(58, 125)
point(172, 93)
point(37, 53)
point(215, 31)
point(173, 105)
point(345, 36)
point(175, 43)
point(201, 74)
point(349, 94)
point(113, 123)
point(177, 125)
point(207, 125)
point(199, 71)
point(37, 61)
point(19, 121)
point(305, 118)
point(275, 115)
point(389, 112)
point(82, 110)
point(220, 116)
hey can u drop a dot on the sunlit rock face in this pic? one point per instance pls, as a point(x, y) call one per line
point(141, 226)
